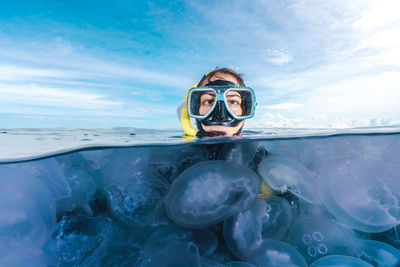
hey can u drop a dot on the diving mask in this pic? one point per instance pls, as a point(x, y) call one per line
point(238, 101)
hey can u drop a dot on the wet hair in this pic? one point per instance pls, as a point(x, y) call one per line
point(237, 76)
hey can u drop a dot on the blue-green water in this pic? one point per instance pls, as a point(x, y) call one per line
point(135, 197)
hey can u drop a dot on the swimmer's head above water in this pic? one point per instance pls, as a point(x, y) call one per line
point(217, 105)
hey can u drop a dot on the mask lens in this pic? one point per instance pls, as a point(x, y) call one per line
point(201, 102)
point(240, 102)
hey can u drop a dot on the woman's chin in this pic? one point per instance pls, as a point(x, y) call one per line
point(219, 130)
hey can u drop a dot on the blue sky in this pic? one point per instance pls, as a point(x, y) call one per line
point(102, 64)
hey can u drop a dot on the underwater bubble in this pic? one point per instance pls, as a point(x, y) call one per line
point(79, 241)
point(27, 211)
point(276, 253)
point(339, 260)
point(316, 237)
point(135, 195)
point(284, 174)
point(356, 194)
point(377, 253)
point(209, 192)
point(267, 218)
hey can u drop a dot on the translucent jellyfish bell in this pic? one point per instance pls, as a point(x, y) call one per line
point(377, 253)
point(356, 194)
point(316, 237)
point(27, 211)
point(392, 152)
point(284, 174)
point(50, 173)
point(339, 260)
point(173, 254)
point(205, 240)
point(277, 219)
point(79, 241)
point(314, 152)
point(134, 193)
point(209, 192)
point(81, 178)
point(268, 218)
point(274, 253)
point(169, 161)
point(242, 153)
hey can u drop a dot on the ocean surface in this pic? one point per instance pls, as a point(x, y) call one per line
point(24, 144)
point(141, 197)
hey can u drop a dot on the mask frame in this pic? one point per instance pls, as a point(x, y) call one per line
point(220, 93)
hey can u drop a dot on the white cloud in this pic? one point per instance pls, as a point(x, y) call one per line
point(283, 106)
point(58, 60)
point(47, 96)
point(278, 57)
point(380, 13)
point(18, 73)
point(276, 120)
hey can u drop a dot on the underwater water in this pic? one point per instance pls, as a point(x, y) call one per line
point(269, 199)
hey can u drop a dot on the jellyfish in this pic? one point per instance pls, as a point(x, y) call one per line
point(82, 179)
point(285, 174)
point(79, 241)
point(50, 173)
point(205, 240)
point(377, 253)
point(276, 253)
point(170, 161)
point(267, 218)
point(243, 153)
point(135, 195)
point(209, 192)
point(360, 196)
point(27, 212)
point(340, 260)
point(173, 254)
point(316, 237)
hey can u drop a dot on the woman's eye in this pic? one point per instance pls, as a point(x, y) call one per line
point(208, 102)
point(233, 102)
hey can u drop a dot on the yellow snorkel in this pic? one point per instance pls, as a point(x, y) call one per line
point(184, 116)
point(185, 119)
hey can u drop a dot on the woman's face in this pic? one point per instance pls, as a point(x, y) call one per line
point(234, 100)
